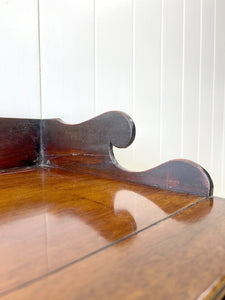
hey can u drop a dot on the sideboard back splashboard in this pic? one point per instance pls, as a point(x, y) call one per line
point(74, 224)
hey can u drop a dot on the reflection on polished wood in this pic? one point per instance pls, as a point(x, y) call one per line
point(173, 260)
point(50, 218)
point(74, 235)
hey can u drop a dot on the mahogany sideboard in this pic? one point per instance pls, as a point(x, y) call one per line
point(74, 224)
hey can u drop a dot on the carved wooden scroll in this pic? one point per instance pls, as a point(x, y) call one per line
point(87, 147)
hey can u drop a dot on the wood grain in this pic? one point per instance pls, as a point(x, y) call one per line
point(74, 226)
point(88, 147)
point(19, 142)
point(50, 218)
point(172, 260)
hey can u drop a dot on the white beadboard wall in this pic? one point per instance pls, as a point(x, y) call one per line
point(160, 61)
point(19, 59)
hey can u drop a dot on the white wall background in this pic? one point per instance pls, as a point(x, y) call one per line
point(19, 59)
point(161, 61)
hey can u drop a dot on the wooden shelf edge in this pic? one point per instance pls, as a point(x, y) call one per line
point(88, 147)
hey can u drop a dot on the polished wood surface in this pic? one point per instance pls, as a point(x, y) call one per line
point(74, 226)
point(88, 147)
point(173, 259)
point(50, 218)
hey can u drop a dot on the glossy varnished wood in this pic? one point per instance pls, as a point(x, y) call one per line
point(88, 147)
point(50, 218)
point(74, 226)
point(174, 259)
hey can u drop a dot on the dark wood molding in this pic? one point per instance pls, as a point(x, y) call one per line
point(19, 142)
point(88, 147)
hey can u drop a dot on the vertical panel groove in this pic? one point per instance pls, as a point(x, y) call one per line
point(213, 87)
point(39, 58)
point(223, 145)
point(94, 60)
point(172, 79)
point(133, 66)
point(182, 83)
point(200, 80)
point(133, 58)
point(161, 80)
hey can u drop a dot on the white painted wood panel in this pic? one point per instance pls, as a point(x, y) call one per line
point(206, 85)
point(172, 63)
point(191, 78)
point(66, 30)
point(113, 50)
point(146, 85)
point(19, 61)
point(217, 157)
point(114, 62)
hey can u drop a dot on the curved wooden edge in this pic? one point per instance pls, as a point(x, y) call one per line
point(88, 147)
point(216, 291)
